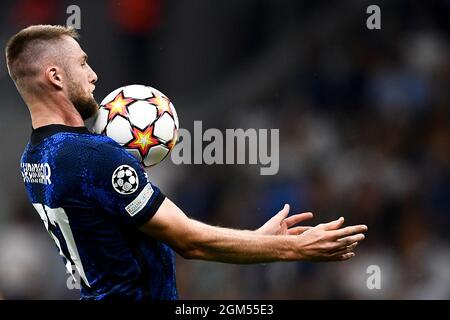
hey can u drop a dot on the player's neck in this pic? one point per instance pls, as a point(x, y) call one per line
point(54, 112)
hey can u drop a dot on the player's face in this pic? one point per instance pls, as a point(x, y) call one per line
point(81, 79)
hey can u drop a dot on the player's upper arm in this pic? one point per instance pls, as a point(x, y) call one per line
point(117, 183)
point(172, 226)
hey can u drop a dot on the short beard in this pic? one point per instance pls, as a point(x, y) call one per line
point(84, 104)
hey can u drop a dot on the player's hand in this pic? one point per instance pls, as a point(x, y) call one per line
point(280, 224)
point(330, 242)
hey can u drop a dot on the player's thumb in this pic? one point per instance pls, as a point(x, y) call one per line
point(333, 225)
point(283, 213)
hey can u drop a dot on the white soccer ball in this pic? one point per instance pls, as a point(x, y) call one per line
point(142, 120)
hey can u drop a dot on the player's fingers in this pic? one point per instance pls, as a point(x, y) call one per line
point(346, 256)
point(345, 250)
point(284, 228)
point(340, 257)
point(344, 242)
point(297, 218)
point(298, 230)
point(332, 225)
point(347, 231)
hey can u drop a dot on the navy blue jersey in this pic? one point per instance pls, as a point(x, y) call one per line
point(92, 196)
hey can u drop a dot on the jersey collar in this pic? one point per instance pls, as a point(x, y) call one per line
point(39, 134)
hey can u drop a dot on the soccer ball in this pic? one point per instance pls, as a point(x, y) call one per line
point(142, 120)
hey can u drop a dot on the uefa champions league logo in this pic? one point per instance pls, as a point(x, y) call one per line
point(125, 180)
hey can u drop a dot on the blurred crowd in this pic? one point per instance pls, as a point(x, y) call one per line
point(364, 124)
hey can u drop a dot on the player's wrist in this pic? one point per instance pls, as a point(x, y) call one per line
point(290, 249)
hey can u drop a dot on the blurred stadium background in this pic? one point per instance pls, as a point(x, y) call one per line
point(364, 133)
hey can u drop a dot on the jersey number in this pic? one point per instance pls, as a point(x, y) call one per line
point(57, 217)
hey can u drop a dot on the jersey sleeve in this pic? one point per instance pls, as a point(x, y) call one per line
point(117, 183)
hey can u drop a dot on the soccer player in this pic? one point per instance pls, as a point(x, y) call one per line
point(120, 242)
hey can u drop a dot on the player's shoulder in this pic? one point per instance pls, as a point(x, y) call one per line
point(73, 144)
point(89, 141)
point(60, 137)
point(93, 145)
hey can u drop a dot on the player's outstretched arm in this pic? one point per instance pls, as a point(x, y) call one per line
point(195, 240)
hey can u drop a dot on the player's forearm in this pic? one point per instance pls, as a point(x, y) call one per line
point(238, 246)
point(196, 240)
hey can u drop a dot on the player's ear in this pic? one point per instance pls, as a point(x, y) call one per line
point(54, 76)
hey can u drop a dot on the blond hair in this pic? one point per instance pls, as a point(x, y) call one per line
point(24, 49)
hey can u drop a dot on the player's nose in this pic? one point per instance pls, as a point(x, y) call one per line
point(94, 77)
